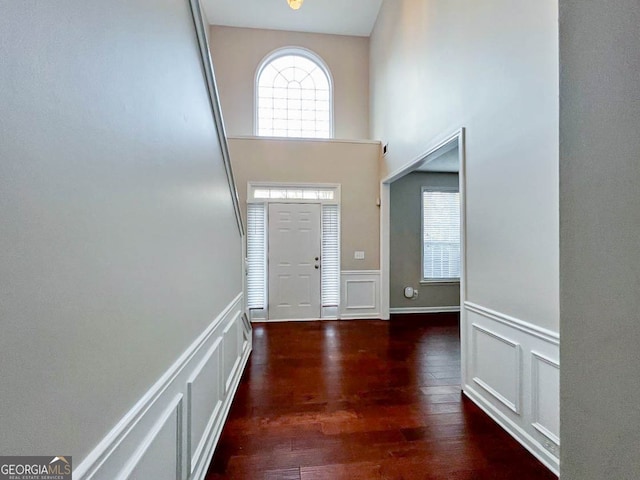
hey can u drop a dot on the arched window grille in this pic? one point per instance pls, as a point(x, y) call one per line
point(294, 96)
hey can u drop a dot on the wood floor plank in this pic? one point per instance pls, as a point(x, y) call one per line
point(283, 474)
point(351, 471)
point(362, 400)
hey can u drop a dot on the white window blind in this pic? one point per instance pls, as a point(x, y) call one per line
point(330, 256)
point(441, 235)
point(256, 256)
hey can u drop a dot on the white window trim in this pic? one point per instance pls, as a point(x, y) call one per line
point(303, 52)
point(253, 186)
point(433, 281)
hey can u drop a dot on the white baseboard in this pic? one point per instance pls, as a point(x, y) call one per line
point(175, 426)
point(444, 309)
point(258, 315)
point(512, 372)
point(550, 461)
point(360, 316)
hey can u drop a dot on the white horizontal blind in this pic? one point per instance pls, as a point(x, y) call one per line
point(441, 235)
point(330, 255)
point(256, 256)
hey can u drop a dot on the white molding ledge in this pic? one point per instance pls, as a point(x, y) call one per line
point(303, 139)
point(201, 27)
point(443, 309)
point(526, 327)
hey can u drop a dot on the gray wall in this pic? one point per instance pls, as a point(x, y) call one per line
point(405, 242)
point(599, 239)
point(119, 244)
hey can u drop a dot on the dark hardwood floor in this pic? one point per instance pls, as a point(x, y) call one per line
point(362, 400)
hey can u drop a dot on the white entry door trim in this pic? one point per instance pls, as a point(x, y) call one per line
point(327, 197)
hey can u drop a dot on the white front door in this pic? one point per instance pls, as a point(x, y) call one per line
point(294, 261)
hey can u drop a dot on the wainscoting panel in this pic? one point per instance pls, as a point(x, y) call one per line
point(360, 294)
point(489, 351)
point(545, 383)
point(231, 345)
point(152, 459)
point(171, 432)
point(512, 373)
point(205, 395)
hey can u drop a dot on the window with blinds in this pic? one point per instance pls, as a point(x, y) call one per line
point(440, 235)
point(330, 256)
point(294, 96)
point(256, 256)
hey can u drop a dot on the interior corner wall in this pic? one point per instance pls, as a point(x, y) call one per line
point(599, 231)
point(120, 245)
point(352, 165)
point(405, 247)
point(237, 53)
point(492, 68)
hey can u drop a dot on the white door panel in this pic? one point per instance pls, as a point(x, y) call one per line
point(294, 261)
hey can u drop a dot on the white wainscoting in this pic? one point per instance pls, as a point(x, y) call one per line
point(360, 294)
point(512, 373)
point(173, 429)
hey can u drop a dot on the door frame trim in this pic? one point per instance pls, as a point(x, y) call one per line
point(337, 200)
point(458, 136)
point(385, 214)
point(336, 187)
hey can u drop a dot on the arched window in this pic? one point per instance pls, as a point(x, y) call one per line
point(293, 96)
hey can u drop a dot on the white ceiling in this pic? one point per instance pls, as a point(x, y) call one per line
point(341, 17)
point(444, 160)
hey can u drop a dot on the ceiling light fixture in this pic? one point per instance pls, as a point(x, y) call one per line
point(295, 4)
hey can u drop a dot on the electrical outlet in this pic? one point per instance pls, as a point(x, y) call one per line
point(552, 447)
